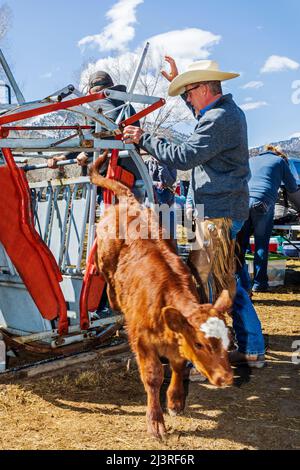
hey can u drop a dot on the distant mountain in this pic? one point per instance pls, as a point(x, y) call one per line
point(291, 147)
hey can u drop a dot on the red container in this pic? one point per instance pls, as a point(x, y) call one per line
point(273, 247)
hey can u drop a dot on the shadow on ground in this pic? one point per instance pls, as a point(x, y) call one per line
point(261, 410)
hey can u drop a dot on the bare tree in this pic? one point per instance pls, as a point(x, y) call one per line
point(5, 20)
point(174, 112)
point(5, 23)
point(150, 83)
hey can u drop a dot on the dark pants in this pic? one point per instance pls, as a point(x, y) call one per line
point(260, 223)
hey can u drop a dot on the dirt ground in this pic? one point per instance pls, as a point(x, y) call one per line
point(97, 406)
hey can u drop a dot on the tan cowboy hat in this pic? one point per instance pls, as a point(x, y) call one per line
point(201, 71)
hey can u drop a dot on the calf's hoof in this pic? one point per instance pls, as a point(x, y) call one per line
point(173, 412)
point(176, 410)
point(175, 405)
point(157, 429)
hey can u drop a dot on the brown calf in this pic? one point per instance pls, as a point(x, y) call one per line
point(150, 284)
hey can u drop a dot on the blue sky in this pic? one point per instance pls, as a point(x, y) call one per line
point(50, 40)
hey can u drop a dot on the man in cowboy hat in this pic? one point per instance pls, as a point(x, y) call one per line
point(217, 153)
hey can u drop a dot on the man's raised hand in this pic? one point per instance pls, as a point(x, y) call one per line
point(174, 70)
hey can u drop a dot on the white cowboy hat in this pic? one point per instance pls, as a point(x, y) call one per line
point(201, 71)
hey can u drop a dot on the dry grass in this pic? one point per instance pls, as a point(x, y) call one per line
point(98, 407)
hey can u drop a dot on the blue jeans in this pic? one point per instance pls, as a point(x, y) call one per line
point(246, 324)
point(166, 199)
point(167, 219)
point(260, 222)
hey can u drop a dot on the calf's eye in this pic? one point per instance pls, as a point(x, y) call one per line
point(198, 346)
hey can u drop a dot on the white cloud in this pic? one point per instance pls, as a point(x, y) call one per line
point(119, 31)
point(297, 134)
point(254, 105)
point(254, 84)
point(185, 45)
point(248, 99)
point(276, 63)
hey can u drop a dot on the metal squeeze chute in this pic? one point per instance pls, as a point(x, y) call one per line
point(30, 255)
point(32, 258)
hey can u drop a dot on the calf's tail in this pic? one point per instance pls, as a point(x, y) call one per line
point(117, 188)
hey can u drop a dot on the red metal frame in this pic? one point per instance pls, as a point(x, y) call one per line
point(47, 128)
point(141, 114)
point(50, 108)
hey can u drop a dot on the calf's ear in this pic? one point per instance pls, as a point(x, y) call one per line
point(175, 321)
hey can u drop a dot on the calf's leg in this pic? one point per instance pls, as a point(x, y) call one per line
point(112, 298)
point(175, 393)
point(152, 376)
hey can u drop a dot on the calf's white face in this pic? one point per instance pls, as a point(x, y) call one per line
point(214, 327)
point(205, 343)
